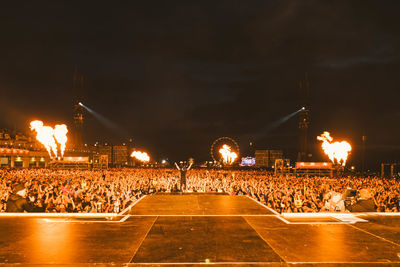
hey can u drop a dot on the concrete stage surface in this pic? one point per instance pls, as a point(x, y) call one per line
point(191, 229)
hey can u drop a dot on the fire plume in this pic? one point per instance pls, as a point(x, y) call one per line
point(140, 156)
point(337, 151)
point(228, 156)
point(48, 136)
point(60, 134)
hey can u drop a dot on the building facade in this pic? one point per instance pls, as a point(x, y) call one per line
point(266, 158)
point(20, 151)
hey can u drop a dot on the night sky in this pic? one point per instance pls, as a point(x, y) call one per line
point(176, 75)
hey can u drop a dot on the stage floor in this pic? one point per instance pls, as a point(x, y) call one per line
point(202, 228)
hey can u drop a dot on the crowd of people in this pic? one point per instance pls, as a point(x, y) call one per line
point(113, 190)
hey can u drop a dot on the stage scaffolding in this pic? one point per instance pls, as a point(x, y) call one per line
point(310, 169)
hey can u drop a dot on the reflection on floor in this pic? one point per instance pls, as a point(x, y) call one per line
point(201, 228)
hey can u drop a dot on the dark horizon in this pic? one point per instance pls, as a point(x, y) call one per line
point(176, 76)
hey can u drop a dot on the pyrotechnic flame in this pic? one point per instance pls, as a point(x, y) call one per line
point(228, 156)
point(141, 156)
point(60, 134)
point(48, 137)
point(45, 135)
point(337, 151)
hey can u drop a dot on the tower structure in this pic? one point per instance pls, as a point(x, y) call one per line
point(78, 110)
point(304, 119)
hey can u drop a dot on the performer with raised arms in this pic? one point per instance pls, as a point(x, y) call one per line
point(183, 169)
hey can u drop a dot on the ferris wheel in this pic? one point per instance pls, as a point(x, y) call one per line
point(225, 150)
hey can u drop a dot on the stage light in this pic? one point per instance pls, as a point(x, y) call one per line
point(106, 122)
point(275, 124)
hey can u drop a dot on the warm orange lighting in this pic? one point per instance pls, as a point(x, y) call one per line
point(141, 156)
point(338, 151)
point(60, 134)
point(45, 135)
point(228, 156)
point(48, 136)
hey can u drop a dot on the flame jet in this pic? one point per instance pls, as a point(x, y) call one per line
point(337, 151)
point(141, 156)
point(45, 135)
point(60, 134)
point(228, 156)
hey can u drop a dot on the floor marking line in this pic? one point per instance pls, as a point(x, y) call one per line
point(264, 262)
point(344, 262)
point(310, 223)
point(204, 263)
point(66, 221)
point(70, 215)
point(283, 219)
point(203, 215)
point(306, 223)
point(123, 219)
point(268, 208)
point(377, 236)
point(50, 214)
point(141, 242)
point(264, 240)
point(103, 215)
point(379, 213)
point(130, 206)
point(310, 215)
point(348, 218)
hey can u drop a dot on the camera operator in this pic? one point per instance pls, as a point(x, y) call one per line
point(365, 202)
point(17, 201)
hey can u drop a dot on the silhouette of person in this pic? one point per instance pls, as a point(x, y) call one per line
point(183, 169)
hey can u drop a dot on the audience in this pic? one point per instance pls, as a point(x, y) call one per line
point(115, 189)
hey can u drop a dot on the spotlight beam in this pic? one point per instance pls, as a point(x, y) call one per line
point(106, 122)
point(277, 123)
